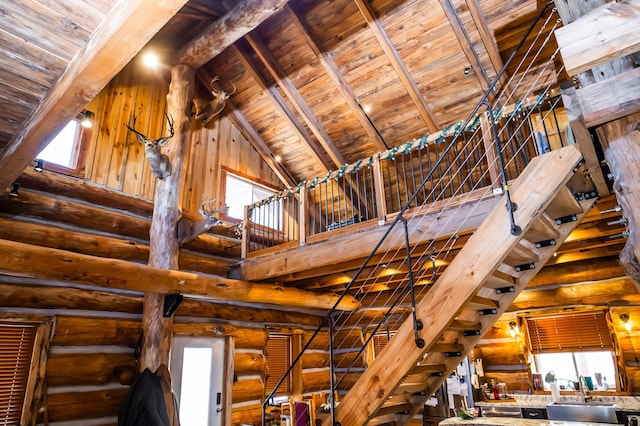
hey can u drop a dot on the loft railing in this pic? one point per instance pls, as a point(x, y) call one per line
point(468, 161)
point(374, 188)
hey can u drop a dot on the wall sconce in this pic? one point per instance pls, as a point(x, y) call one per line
point(86, 121)
point(625, 319)
point(14, 189)
point(513, 329)
point(39, 165)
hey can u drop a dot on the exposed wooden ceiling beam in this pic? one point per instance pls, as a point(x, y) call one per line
point(338, 79)
point(228, 29)
point(398, 65)
point(31, 261)
point(240, 121)
point(460, 32)
point(125, 31)
point(289, 89)
point(489, 42)
point(282, 108)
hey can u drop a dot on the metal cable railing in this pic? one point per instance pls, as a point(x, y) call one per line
point(425, 176)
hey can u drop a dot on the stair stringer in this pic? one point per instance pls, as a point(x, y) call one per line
point(482, 256)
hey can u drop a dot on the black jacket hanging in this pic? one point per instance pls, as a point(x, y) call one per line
point(144, 403)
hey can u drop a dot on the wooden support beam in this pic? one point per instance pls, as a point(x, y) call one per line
point(623, 157)
point(606, 33)
point(610, 99)
point(37, 262)
point(338, 79)
point(398, 65)
point(126, 30)
point(572, 106)
point(461, 35)
point(228, 29)
point(489, 42)
point(282, 108)
point(296, 99)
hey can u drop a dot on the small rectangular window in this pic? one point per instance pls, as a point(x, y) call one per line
point(278, 362)
point(65, 152)
point(240, 192)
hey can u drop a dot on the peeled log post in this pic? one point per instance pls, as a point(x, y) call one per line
point(164, 247)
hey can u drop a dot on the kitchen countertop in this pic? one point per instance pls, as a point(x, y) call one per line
point(505, 421)
point(623, 403)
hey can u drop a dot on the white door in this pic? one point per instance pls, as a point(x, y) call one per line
point(196, 372)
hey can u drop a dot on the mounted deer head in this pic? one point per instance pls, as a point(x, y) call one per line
point(206, 110)
point(188, 229)
point(160, 164)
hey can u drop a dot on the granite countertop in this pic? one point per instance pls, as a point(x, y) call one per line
point(506, 421)
point(623, 403)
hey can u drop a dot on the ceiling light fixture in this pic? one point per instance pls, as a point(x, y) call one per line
point(367, 108)
point(86, 121)
point(625, 319)
point(150, 59)
point(513, 330)
point(278, 158)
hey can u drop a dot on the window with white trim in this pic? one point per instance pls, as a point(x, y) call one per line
point(241, 192)
point(65, 152)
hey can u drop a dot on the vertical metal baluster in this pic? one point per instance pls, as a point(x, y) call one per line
point(353, 214)
point(333, 203)
point(360, 192)
point(439, 173)
point(395, 170)
point(413, 176)
point(469, 167)
point(420, 156)
point(374, 208)
point(404, 178)
point(459, 172)
point(389, 185)
point(430, 172)
point(555, 118)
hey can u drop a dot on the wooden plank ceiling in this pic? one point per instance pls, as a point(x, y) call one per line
point(319, 84)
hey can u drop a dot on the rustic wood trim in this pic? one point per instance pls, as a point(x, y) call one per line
point(110, 48)
point(604, 34)
point(294, 96)
point(228, 378)
point(381, 199)
point(398, 65)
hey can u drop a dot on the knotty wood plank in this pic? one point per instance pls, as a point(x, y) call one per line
point(610, 99)
point(606, 33)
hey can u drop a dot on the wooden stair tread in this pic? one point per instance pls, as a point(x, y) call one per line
point(462, 325)
point(394, 407)
point(478, 302)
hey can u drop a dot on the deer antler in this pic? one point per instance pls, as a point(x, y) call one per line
point(208, 208)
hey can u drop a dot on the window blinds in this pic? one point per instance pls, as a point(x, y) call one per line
point(16, 347)
point(570, 333)
point(278, 362)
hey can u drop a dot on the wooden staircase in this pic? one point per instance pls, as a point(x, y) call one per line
point(479, 284)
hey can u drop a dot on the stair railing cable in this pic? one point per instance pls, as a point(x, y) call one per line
point(500, 149)
point(399, 217)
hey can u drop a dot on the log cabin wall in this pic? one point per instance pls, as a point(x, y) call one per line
point(505, 361)
point(116, 160)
